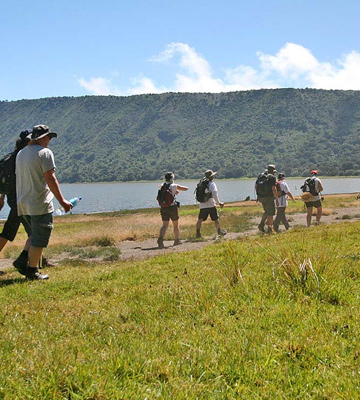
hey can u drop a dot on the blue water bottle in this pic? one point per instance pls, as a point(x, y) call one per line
point(74, 201)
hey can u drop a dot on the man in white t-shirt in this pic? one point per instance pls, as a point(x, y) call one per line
point(316, 200)
point(170, 211)
point(283, 194)
point(208, 207)
point(36, 185)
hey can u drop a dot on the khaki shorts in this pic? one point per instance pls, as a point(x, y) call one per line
point(41, 226)
point(268, 205)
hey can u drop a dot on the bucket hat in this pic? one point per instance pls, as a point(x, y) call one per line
point(39, 131)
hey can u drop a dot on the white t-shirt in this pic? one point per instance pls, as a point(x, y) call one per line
point(213, 200)
point(283, 199)
point(317, 187)
point(34, 196)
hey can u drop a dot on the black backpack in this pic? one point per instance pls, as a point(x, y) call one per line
point(309, 186)
point(202, 193)
point(7, 173)
point(263, 185)
point(165, 197)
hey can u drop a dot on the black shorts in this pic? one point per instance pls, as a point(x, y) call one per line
point(12, 224)
point(315, 204)
point(168, 213)
point(205, 212)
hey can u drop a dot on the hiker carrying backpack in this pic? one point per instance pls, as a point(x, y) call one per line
point(309, 186)
point(165, 197)
point(202, 193)
point(7, 173)
point(169, 208)
point(264, 185)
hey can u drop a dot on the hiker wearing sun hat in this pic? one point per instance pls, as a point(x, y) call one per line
point(36, 185)
point(283, 194)
point(207, 196)
point(313, 187)
point(265, 187)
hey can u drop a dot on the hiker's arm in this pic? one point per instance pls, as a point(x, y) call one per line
point(257, 197)
point(320, 186)
point(215, 197)
point(54, 186)
point(275, 193)
point(2, 201)
point(183, 188)
point(291, 196)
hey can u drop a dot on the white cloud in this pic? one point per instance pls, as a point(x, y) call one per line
point(99, 86)
point(293, 66)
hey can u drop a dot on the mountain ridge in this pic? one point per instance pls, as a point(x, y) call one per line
point(113, 138)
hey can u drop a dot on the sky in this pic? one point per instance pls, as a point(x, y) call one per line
point(51, 48)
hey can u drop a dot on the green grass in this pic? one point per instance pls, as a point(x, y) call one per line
point(264, 317)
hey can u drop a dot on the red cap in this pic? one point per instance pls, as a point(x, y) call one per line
point(314, 171)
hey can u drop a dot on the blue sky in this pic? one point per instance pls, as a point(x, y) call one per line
point(54, 48)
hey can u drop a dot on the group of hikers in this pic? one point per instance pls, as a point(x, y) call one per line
point(29, 193)
point(271, 191)
point(27, 179)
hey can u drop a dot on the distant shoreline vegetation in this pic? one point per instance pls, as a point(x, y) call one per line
point(139, 138)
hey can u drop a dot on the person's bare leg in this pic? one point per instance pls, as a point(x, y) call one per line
point(176, 229)
point(34, 256)
point(3, 242)
point(164, 228)
point(308, 216)
point(318, 214)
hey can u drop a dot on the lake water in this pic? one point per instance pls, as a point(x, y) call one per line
point(103, 197)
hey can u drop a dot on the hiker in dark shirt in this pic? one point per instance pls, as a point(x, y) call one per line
point(266, 197)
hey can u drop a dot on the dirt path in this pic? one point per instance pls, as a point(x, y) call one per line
point(137, 250)
point(148, 248)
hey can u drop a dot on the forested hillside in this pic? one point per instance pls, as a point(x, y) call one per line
point(110, 138)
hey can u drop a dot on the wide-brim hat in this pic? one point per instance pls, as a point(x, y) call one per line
point(271, 168)
point(306, 196)
point(209, 173)
point(39, 131)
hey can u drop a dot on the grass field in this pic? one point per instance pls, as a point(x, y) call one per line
point(264, 317)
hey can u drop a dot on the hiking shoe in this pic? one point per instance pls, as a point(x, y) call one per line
point(198, 236)
point(261, 228)
point(222, 232)
point(33, 274)
point(160, 243)
point(21, 263)
point(46, 263)
point(177, 242)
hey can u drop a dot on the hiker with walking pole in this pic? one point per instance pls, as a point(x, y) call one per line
point(207, 195)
